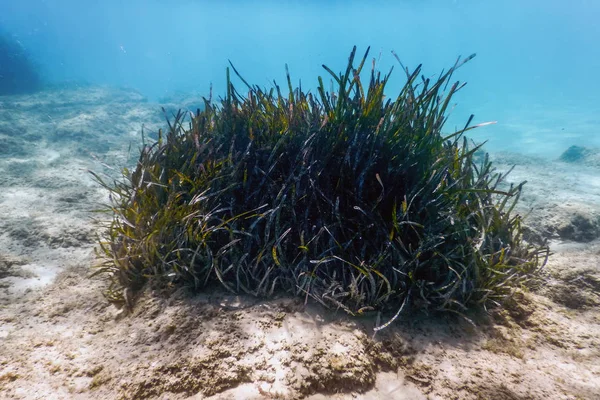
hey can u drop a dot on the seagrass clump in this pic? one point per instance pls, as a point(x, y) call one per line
point(347, 197)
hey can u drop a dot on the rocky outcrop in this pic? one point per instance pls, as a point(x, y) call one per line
point(581, 155)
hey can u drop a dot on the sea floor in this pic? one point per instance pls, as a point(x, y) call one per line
point(60, 339)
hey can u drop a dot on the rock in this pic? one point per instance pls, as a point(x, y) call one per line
point(569, 221)
point(19, 73)
point(581, 155)
point(580, 227)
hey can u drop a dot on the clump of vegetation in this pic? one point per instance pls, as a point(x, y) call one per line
point(347, 197)
point(17, 72)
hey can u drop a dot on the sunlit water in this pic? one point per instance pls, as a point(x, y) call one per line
point(536, 70)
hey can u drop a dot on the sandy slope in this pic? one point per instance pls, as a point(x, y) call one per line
point(59, 338)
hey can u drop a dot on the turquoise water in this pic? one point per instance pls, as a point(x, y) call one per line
point(536, 71)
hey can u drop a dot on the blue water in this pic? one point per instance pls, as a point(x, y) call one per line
point(537, 70)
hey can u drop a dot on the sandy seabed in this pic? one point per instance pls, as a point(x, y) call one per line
point(60, 339)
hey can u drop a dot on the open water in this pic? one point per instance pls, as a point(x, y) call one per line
point(536, 70)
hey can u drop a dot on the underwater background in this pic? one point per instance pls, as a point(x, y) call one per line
point(536, 70)
point(82, 87)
